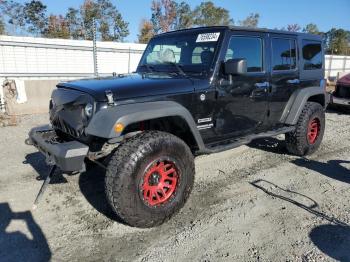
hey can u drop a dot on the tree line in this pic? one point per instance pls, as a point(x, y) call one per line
point(32, 18)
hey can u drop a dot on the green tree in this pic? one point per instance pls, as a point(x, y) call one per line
point(35, 17)
point(184, 17)
point(120, 28)
point(311, 29)
point(207, 14)
point(337, 41)
point(89, 13)
point(168, 15)
point(57, 27)
point(75, 23)
point(293, 28)
point(163, 15)
point(146, 31)
point(109, 22)
point(13, 16)
point(2, 27)
point(251, 21)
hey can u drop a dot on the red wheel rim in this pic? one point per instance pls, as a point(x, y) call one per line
point(313, 130)
point(159, 182)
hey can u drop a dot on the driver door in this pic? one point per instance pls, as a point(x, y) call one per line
point(242, 102)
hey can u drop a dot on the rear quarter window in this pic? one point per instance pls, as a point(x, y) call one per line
point(312, 55)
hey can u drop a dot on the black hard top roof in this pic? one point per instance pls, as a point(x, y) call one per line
point(248, 29)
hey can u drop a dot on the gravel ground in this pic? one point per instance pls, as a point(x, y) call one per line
point(252, 203)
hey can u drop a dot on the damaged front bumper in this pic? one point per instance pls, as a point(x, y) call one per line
point(67, 155)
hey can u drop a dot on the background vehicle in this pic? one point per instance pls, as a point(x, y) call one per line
point(341, 95)
point(195, 91)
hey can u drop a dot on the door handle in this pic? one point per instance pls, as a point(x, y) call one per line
point(260, 91)
point(262, 85)
point(293, 81)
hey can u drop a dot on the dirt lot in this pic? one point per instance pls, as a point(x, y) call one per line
point(253, 203)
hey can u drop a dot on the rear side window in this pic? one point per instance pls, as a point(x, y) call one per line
point(283, 54)
point(249, 48)
point(312, 55)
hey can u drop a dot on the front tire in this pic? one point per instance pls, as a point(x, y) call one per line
point(149, 178)
point(309, 131)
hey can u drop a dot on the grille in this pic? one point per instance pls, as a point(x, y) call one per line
point(60, 124)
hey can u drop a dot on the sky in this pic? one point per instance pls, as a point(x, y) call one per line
point(273, 13)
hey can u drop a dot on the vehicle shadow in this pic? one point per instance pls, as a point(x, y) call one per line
point(332, 169)
point(270, 144)
point(332, 240)
point(295, 198)
point(92, 186)
point(37, 161)
point(17, 246)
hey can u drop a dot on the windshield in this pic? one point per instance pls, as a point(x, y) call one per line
point(185, 52)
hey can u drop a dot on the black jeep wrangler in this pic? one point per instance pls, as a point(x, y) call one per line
point(195, 91)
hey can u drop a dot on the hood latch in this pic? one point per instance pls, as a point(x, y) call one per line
point(110, 98)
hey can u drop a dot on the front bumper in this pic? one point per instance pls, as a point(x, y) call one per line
point(67, 155)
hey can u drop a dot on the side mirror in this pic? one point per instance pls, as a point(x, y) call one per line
point(235, 66)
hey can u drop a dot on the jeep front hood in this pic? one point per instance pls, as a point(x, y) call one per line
point(131, 86)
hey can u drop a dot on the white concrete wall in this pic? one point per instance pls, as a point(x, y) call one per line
point(29, 57)
point(42, 62)
point(336, 64)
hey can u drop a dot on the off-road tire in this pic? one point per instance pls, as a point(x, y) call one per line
point(126, 170)
point(297, 142)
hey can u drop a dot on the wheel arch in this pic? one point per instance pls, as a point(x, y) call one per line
point(170, 114)
point(174, 124)
point(298, 100)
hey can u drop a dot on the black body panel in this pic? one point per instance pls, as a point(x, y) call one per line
point(131, 86)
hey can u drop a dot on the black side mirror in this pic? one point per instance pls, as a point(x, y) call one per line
point(236, 66)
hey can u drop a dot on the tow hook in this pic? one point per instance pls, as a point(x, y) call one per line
point(44, 186)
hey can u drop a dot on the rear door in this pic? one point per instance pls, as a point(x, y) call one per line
point(284, 74)
point(242, 103)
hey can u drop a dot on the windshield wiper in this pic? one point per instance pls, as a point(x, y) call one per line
point(178, 67)
point(148, 67)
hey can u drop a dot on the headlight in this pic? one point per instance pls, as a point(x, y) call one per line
point(88, 110)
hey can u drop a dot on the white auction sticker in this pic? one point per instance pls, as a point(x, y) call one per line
point(208, 37)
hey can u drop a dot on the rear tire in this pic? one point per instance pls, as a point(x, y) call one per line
point(149, 178)
point(309, 131)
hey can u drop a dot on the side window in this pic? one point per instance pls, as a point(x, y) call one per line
point(283, 54)
point(249, 48)
point(312, 55)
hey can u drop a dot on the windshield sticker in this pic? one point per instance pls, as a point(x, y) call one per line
point(208, 37)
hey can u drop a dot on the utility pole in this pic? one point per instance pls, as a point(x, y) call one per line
point(94, 48)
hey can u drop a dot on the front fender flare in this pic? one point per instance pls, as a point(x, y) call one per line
point(102, 123)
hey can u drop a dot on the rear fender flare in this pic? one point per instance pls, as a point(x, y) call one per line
point(297, 102)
